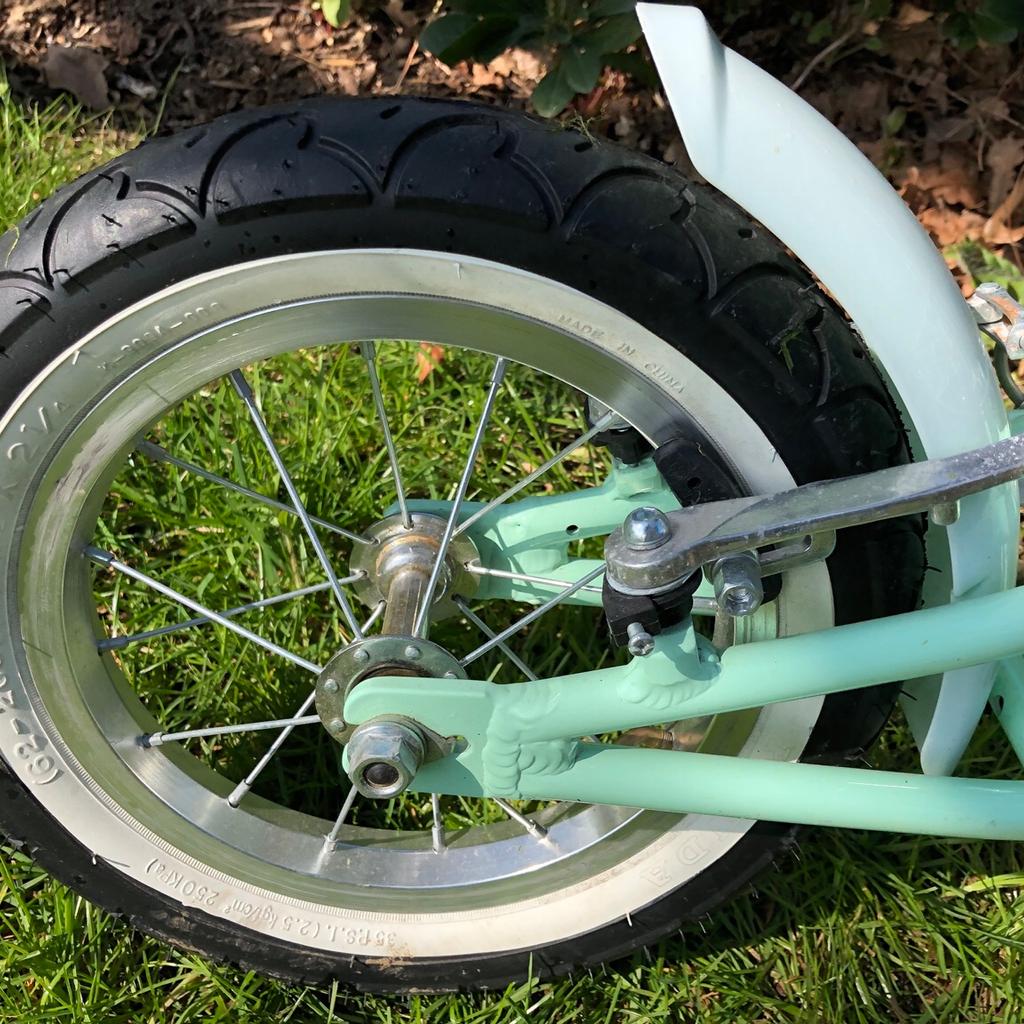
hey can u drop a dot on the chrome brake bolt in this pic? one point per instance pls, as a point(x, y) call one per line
point(645, 528)
point(737, 583)
point(639, 642)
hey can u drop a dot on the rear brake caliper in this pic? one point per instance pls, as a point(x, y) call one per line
point(637, 614)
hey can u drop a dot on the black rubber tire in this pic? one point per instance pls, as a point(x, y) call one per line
point(676, 256)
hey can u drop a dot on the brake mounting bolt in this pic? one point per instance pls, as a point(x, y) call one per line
point(412, 652)
point(737, 582)
point(645, 528)
point(640, 643)
point(361, 655)
point(945, 513)
point(331, 685)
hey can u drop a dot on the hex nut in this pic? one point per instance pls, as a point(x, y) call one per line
point(383, 758)
point(737, 582)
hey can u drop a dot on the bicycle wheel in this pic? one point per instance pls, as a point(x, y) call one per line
point(218, 350)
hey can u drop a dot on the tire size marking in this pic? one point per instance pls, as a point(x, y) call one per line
point(34, 431)
point(662, 873)
point(155, 333)
point(257, 914)
point(263, 916)
point(177, 882)
point(378, 937)
point(37, 424)
point(29, 750)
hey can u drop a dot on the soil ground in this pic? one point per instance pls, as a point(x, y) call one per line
point(946, 124)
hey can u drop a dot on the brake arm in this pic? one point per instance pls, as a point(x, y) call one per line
point(705, 533)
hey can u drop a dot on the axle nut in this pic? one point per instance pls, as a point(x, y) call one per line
point(737, 582)
point(383, 758)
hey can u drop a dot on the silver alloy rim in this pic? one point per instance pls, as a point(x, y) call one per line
point(104, 723)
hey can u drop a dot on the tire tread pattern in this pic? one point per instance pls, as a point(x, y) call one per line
point(675, 255)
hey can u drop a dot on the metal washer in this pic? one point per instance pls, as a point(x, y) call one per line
point(375, 656)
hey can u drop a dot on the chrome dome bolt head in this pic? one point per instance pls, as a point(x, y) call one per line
point(639, 642)
point(413, 653)
point(645, 528)
point(384, 757)
point(737, 583)
point(946, 513)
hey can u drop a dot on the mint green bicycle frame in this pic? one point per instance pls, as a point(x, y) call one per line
point(523, 741)
point(773, 154)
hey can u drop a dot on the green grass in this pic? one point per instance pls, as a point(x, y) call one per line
point(858, 927)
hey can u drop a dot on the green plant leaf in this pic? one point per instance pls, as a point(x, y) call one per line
point(336, 12)
point(500, 8)
point(612, 35)
point(455, 37)
point(994, 30)
point(1009, 12)
point(634, 64)
point(553, 93)
point(582, 68)
point(605, 8)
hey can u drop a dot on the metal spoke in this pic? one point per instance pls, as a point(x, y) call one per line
point(249, 781)
point(536, 830)
point(701, 605)
point(437, 825)
point(105, 558)
point(490, 634)
point(521, 577)
point(537, 612)
point(116, 643)
point(601, 423)
point(332, 837)
point(374, 615)
point(369, 354)
point(158, 454)
point(157, 739)
point(245, 392)
point(423, 618)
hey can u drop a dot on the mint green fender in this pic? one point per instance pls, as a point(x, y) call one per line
point(769, 151)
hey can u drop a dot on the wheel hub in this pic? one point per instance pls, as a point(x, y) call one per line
point(396, 568)
point(398, 564)
point(389, 655)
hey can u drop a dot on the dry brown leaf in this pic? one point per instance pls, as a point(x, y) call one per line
point(954, 181)
point(949, 227)
point(865, 107)
point(79, 71)
point(428, 359)
point(1003, 158)
point(483, 75)
point(997, 229)
point(911, 14)
point(521, 63)
point(991, 106)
